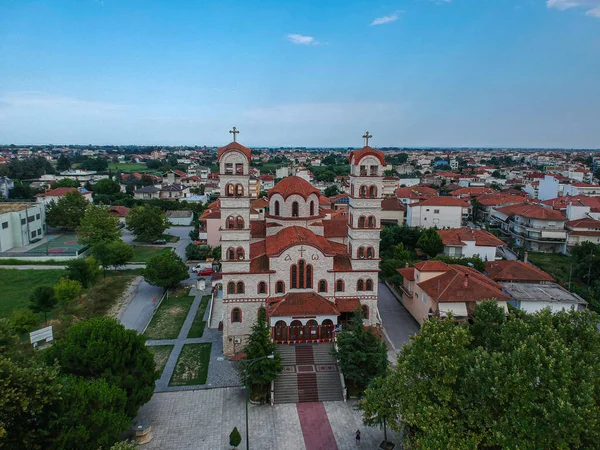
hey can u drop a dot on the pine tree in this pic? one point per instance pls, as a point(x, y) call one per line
point(235, 438)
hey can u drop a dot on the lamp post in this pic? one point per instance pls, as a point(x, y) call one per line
point(248, 364)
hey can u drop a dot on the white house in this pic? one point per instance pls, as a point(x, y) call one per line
point(182, 217)
point(440, 212)
point(20, 224)
point(468, 242)
point(578, 188)
point(583, 230)
point(55, 195)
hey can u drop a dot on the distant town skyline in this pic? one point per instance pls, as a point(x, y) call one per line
point(415, 73)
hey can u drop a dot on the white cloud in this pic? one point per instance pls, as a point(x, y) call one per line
point(592, 7)
point(387, 19)
point(301, 39)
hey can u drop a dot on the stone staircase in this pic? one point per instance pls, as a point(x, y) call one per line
point(309, 374)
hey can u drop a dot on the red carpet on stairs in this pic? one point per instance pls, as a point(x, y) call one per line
point(316, 428)
point(307, 378)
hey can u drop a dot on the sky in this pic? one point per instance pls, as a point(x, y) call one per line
point(445, 73)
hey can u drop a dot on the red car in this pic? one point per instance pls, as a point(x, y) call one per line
point(205, 271)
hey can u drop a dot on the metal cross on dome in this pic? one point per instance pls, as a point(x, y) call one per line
point(366, 137)
point(234, 132)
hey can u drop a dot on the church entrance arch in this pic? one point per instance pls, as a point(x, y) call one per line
point(311, 330)
point(281, 331)
point(296, 330)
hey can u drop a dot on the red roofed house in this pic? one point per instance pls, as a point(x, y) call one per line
point(583, 230)
point(434, 288)
point(532, 227)
point(441, 212)
point(468, 242)
point(393, 211)
point(308, 267)
point(54, 195)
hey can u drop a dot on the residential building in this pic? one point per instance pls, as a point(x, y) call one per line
point(469, 242)
point(440, 212)
point(21, 224)
point(582, 230)
point(164, 192)
point(180, 217)
point(54, 195)
point(6, 184)
point(393, 211)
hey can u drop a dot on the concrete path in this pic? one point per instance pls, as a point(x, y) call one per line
point(203, 419)
point(221, 372)
point(398, 324)
point(138, 313)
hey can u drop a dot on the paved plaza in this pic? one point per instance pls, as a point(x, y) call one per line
point(203, 419)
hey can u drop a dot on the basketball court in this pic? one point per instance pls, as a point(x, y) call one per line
point(57, 244)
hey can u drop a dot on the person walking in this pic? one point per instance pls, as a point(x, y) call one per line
point(357, 437)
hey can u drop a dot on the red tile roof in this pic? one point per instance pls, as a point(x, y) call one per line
point(500, 199)
point(294, 185)
point(459, 236)
point(515, 271)
point(302, 304)
point(235, 146)
point(258, 229)
point(416, 192)
point(335, 228)
point(120, 211)
point(462, 284)
point(259, 203)
point(392, 204)
point(58, 192)
point(472, 191)
point(442, 201)
point(295, 235)
point(408, 273)
point(431, 266)
point(341, 263)
point(532, 211)
point(347, 304)
point(584, 223)
point(357, 155)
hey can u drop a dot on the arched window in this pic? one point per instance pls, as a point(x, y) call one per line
point(370, 253)
point(371, 222)
point(309, 276)
point(240, 222)
point(231, 253)
point(262, 287)
point(312, 208)
point(236, 315)
point(322, 286)
point(373, 191)
point(360, 285)
point(339, 286)
point(240, 253)
point(365, 311)
point(295, 209)
point(361, 222)
point(369, 285)
point(361, 252)
point(239, 190)
point(229, 190)
point(230, 222)
point(240, 287)
point(279, 287)
point(362, 192)
point(231, 287)
point(294, 277)
point(301, 273)
point(276, 207)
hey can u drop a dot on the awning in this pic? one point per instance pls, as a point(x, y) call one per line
point(457, 309)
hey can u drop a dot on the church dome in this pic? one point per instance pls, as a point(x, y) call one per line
point(294, 185)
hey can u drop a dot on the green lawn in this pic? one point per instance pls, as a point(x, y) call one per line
point(16, 286)
point(558, 266)
point(168, 319)
point(198, 325)
point(166, 237)
point(192, 365)
point(142, 253)
point(161, 355)
point(128, 167)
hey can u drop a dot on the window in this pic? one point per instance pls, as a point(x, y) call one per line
point(436, 211)
point(240, 253)
point(371, 222)
point(239, 190)
point(362, 192)
point(279, 287)
point(239, 169)
point(240, 223)
point(294, 277)
point(339, 286)
point(262, 287)
point(229, 190)
point(312, 208)
point(33, 234)
point(322, 286)
point(229, 168)
point(369, 285)
point(230, 253)
point(361, 253)
point(231, 287)
point(361, 222)
point(23, 221)
point(309, 276)
point(276, 207)
point(373, 170)
point(240, 287)
point(360, 285)
point(4, 225)
point(365, 311)
point(370, 253)
point(295, 209)
point(230, 223)
point(236, 315)
point(30, 219)
point(37, 217)
point(301, 273)
point(372, 192)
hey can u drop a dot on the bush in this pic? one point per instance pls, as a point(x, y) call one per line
point(24, 320)
point(85, 271)
point(198, 252)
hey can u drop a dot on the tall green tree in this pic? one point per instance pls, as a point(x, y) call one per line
point(361, 354)
point(106, 186)
point(166, 270)
point(112, 253)
point(235, 438)
point(147, 223)
point(66, 291)
point(378, 405)
point(68, 211)
point(85, 271)
point(42, 300)
point(259, 375)
point(66, 182)
point(98, 225)
point(500, 382)
point(431, 242)
point(63, 163)
point(101, 348)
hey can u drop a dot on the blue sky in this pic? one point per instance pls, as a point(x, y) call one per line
point(308, 73)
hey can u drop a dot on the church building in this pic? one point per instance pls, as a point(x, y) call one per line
point(308, 270)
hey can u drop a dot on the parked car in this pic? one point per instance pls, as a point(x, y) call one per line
point(159, 242)
point(204, 268)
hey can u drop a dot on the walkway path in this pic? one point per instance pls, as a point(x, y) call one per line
point(221, 372)
point(398, 324)
point(138, 313)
